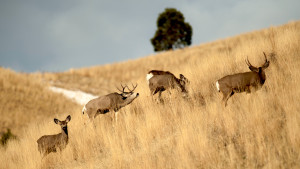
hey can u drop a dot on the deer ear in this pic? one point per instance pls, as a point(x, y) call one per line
point(56, 121)
point(183, 78)
point(253, 69)
point(68, 118)
point(266, 65)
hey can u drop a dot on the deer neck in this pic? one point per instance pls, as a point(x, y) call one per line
point(262, 76)
point(65, 131)
point(128, 100)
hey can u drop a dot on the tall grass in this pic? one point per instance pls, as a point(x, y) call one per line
point(257, 130)
point(24, 98)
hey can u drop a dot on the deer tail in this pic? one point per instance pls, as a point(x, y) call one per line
point(83, 109)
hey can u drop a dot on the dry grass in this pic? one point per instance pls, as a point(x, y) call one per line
point(24, 99)
point(259, 130)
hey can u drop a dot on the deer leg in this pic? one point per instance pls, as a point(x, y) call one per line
point(90, 113)
point(160, 100)
point(226, 96)
point(159, 94)
point(99, 111)
point(116, 113)
point(116, 116)
point(152, 91)
point(248, 89)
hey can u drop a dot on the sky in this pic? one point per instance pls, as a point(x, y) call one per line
point(57, 35)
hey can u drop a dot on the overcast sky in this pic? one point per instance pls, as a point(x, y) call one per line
point(56, 35)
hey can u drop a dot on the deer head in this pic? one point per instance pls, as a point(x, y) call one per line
point(259, 69)
point(183, 81)
point(125, 94)
point(63, 124)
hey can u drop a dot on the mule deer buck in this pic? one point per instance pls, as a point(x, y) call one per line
point(50, 143)
point(243, 82)
point(160, 81)
point(110, 102)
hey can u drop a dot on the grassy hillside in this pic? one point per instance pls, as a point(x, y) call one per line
point(258, 130)
point(103, 79)
point(25, 99)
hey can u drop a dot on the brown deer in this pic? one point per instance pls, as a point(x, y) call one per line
point(243, 82)
point(110, 102)
point(50, 143)
point(160, 81)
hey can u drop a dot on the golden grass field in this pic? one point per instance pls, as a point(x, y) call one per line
point(257, 130)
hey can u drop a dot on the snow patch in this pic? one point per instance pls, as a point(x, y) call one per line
point(77, 96)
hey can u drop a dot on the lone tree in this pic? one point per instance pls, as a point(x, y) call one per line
point(172, 32)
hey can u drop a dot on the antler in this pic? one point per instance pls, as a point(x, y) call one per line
point(265, 56)
point(248, 63)
point(130, 91)
point(266, 64)
point(123, 88)
point(252, 68)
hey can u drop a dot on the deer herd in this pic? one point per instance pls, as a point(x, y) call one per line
point(158, 82)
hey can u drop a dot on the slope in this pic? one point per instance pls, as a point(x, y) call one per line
point(25, 99)
point(257, 130)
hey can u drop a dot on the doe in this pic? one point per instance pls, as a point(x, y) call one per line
point(50, 143)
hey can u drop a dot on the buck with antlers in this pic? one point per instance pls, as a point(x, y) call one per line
point(160, 81)
point(50, 143)
point(243, 82)
point(110, 102)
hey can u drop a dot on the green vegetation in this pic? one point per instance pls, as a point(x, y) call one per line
point(258, 130)
point(172, 31)
point(7, 136)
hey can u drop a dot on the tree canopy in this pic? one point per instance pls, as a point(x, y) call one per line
point(172, 31)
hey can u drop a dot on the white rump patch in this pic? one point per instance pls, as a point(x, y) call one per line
point(148, 77)
point(218, 86)
point(83, 109)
